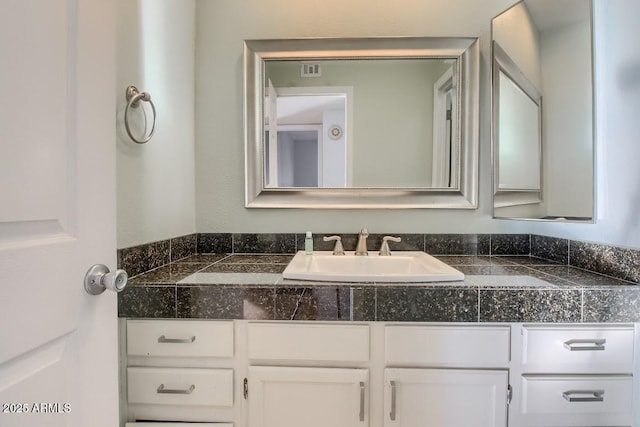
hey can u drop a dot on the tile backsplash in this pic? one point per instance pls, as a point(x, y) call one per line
point(621, 263)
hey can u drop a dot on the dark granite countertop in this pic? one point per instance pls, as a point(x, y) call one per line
point(495, 289)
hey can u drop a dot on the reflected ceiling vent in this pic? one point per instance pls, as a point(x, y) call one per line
point(310, 69)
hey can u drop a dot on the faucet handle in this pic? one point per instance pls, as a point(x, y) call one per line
point(338, 249)
point(384, 248)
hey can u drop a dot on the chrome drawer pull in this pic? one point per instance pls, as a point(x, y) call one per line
point(585, 344)
point(392, 414)
point(361, 401)
point(584, 395)
point(162, 390)
point(163, 339)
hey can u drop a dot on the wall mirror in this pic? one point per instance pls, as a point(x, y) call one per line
point(542, 111)
point(361, 123)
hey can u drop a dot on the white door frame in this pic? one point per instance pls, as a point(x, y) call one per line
point(445, 143)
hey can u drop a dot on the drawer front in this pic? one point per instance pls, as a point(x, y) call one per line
point(577, 400)
point(308, 342)
point(173, 338)
point(577, 349)
point(449, 346)
point(163, 424)
point(180, 386)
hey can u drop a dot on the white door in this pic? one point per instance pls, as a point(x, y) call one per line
point(58, 347)
point(445, 397)
point(309, 397)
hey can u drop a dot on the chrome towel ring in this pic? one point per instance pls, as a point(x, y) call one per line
point(134, 97)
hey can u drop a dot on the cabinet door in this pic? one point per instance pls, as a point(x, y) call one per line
point(309, 397)
point(445, 397)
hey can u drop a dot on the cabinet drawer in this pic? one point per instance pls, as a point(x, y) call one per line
point(574, 349)
point(308, 342)
point(577, 400)
point(180, 386)
point(173, 338)
point(163, 424)
point(451, 346)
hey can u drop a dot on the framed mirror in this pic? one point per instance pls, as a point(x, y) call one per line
point(543, 112)
point(361, 123)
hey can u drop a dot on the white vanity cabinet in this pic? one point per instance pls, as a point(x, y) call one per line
point(575, 375)
point(310, 397)
point(458, 376)
point(284, 391)
point(377, 374)
point(179, 371)
point(330, 375)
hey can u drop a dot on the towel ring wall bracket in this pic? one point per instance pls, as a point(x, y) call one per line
point(134, 97)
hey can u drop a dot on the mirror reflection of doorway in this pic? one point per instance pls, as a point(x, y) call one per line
point(299, 156)
point(310, 145)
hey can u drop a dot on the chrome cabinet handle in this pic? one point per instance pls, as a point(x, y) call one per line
point(162, 390)
point(361, 401)
point(585, 344)
point(584, 395)
point(99, 278)
point(392, 414)
point(163, 339)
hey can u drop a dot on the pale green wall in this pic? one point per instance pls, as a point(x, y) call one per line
point(155, 200)
point(156, 180)
point(222, 26)
point(395, 93)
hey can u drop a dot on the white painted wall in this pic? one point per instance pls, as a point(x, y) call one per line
point(519, 130)
point(617, 72)
point(568, 151)
point(155, 181)
point(516, 33)
point(334, 152)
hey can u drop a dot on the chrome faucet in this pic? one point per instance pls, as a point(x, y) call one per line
point(338, 249)
point(361, 247)
point(384, 248)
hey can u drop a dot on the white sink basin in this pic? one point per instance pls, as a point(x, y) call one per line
point(401, 266)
